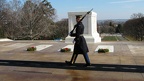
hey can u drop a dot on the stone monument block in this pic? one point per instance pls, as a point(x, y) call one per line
point(90, 23)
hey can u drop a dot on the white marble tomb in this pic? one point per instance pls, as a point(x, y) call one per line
point(90, 22)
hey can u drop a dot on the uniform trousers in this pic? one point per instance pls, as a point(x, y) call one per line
point(74, 57)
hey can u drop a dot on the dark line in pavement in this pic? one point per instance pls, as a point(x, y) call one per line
point(77, 66)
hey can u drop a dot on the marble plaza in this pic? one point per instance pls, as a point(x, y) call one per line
point(124, 62)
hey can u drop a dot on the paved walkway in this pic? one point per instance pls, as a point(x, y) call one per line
point(126, 63)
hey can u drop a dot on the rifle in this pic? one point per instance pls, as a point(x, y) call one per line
point(71, 33)
point(85, 15)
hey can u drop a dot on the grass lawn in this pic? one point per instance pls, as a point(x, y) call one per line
point(109, 38)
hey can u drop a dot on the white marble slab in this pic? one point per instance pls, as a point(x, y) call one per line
point(110, 47)
point(42, 47)
point(135, 49)
point(18, 45)
point(5, 39)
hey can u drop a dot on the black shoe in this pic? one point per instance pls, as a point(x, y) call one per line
point(88, 64)
point(68, 62)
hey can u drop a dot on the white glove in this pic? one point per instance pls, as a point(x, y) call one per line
point(73, 41)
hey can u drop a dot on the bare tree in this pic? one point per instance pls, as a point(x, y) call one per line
point(3, 17)
point(33, 19)
point(37, 19)
point(13, 27)
point(107, 27)
point(134, 28)
point(62, 28)
point(137, 15)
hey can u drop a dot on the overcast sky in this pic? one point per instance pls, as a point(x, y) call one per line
point(105, 9)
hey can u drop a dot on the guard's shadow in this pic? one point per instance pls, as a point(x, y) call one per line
point(77, 66)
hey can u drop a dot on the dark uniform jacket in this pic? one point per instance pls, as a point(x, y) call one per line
point(80, 46)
